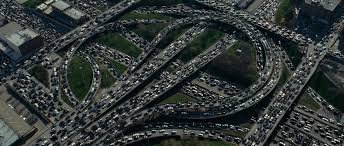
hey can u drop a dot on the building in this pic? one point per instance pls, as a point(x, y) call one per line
point(322, 9)
point(13, 128)
point(3, 21)
point(22, 1)
point(18, 42)
point(63, 12)
point(7, 135)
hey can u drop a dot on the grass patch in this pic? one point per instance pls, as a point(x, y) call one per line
point(231, 66)
point(107, 79)
point(116, 41)
point(41, 74)
point(309, 102)
point(323, 86)
point(148, 31)
point(234, 133)
point(284, 78)
point(136, 15)
point(33, 3)
point(284, 12)
point(176, 98)
point(80, 77)
point(201, 43)
point(119, 67)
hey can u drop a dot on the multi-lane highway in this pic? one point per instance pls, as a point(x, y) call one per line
point(99, 108)
point(273, 114)
point(131, 100)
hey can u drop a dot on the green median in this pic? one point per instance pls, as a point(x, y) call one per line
point(237, 64)
point(80, 77)
point(107, 79)
point(201, 43)
point(116, 41)
point(177, 98)
point(119, 67)
point(148, 31)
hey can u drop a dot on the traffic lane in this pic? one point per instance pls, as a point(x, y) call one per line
point(78, 32)
point(76, 114)
point(190, 68)
point(155, 133)
point(172, 46)
point(278, 106)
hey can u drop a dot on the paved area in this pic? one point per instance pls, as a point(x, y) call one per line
point(12, 119)
point(254, 5)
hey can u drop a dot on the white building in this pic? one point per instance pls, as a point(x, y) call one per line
point(62, 11)
point(17, 42)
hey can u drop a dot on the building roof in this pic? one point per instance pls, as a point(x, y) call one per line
point(74, 13)
point(12, 37)
point(7, 135)
point(48, 11)
point(21, 1)
point(20, 37)
point(13, 120)
point(326, 4)
point(15, 39)
point(42, 7)
point(9, 52)
point(10, 28)
point(60, 5)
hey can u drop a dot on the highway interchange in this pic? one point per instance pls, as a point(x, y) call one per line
point(105, 120)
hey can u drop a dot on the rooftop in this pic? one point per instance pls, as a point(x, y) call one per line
point(20, 37)
point(60, 5)
point(12, 37)
point(21, 1)
point(326, 4)
point(8, 50)
point(48, 10)
point(10, 28)
point(13, 120)
point(74, 13)
point(7, 135)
